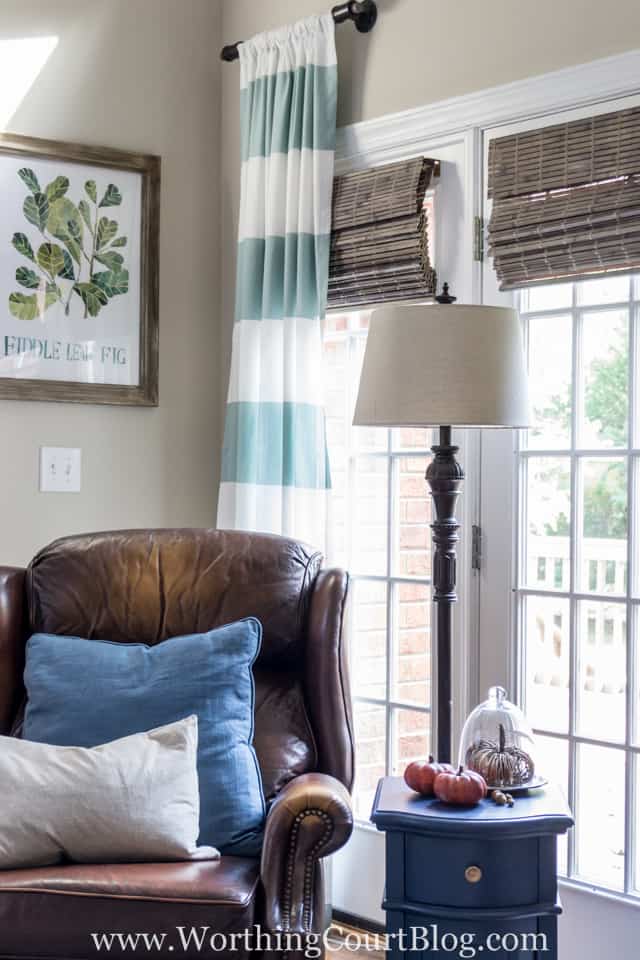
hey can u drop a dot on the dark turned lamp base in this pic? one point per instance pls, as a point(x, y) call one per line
point(444, 476)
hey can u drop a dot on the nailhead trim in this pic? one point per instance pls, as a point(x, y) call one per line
point(309, 864)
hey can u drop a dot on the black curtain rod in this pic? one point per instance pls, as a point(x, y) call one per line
point(364, 14)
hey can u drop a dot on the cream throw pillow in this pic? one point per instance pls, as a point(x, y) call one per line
point(134, 799)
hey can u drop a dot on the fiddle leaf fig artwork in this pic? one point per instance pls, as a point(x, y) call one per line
point(36, 210)
point(22, 245)
point(112, 197)
point(79, 272)
point(27, 278)
point(106, 232)
point(29, 178)
point(50, 258)
point(74, 241)
point(111, 259)
point(24, 307)
point(57, 188)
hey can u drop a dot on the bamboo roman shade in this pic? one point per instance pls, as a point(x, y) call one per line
point(379, 243)
point(566, 200)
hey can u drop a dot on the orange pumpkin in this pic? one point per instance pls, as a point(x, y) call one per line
point(420, 775)
point(465, 787)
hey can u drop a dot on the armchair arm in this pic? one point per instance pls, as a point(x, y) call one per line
point(327, 691)
point(12, 620)
point(310, 818)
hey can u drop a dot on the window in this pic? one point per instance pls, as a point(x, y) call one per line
point(579, 496)
point(380, 532)
point(542, 569)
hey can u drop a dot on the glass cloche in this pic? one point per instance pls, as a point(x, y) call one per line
point(497, 742)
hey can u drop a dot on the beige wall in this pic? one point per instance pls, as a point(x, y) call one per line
point(141, 75)
point(421, 51)
point(425, 50)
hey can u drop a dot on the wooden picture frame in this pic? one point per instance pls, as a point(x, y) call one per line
point(77, 272)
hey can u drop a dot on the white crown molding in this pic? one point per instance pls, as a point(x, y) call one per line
point(385, 138)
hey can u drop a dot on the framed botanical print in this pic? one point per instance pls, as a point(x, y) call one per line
point(79, 231)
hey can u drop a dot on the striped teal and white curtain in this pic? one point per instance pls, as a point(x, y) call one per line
point(275, 475)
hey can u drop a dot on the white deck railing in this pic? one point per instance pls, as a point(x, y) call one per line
point(601, 627)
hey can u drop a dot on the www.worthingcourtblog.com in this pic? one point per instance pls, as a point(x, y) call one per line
point(202, 939)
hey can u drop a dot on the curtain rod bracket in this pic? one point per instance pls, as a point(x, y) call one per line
point(230, 52)
point(364, 14)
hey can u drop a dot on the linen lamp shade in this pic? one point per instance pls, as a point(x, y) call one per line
point(429, 365)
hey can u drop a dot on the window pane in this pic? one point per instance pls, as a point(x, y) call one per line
point(604, 383)
point(600, 815)
point(637, 829)
point(335, 359)
point(337, 513)
point(546, 645)
point(550, 355)
point(411, 738)
point(602, 670)
point(369, 639)
point(370, 439)
point(411, 667)
point(549, 297)
point(334, 323)
point(370, 735)
point(635, 399)
point(413, 438)
point(635, 553)
point(336, 383)
point(548, 523)
point(553, 765)
point(611, 289)
point(635, 733)
point(370, 515)
point(602, 549)
point(412, 534)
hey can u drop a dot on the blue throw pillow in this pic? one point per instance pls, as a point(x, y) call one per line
point(83, 693)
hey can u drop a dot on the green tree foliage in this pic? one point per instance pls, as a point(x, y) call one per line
point(607, 396)
point(606, 406)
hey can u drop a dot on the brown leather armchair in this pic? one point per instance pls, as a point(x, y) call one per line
point(146, 586)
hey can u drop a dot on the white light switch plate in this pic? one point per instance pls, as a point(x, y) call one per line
point(60, 469)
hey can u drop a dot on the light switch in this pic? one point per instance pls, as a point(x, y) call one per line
point(60, 469)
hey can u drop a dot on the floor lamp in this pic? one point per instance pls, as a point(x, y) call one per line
point(443, 365)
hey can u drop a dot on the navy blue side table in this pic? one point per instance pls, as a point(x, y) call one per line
point(477, 880)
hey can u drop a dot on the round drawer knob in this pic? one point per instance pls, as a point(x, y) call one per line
point(473, 874)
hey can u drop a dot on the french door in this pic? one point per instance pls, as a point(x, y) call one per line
point(560, 592)
point(576, 585)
